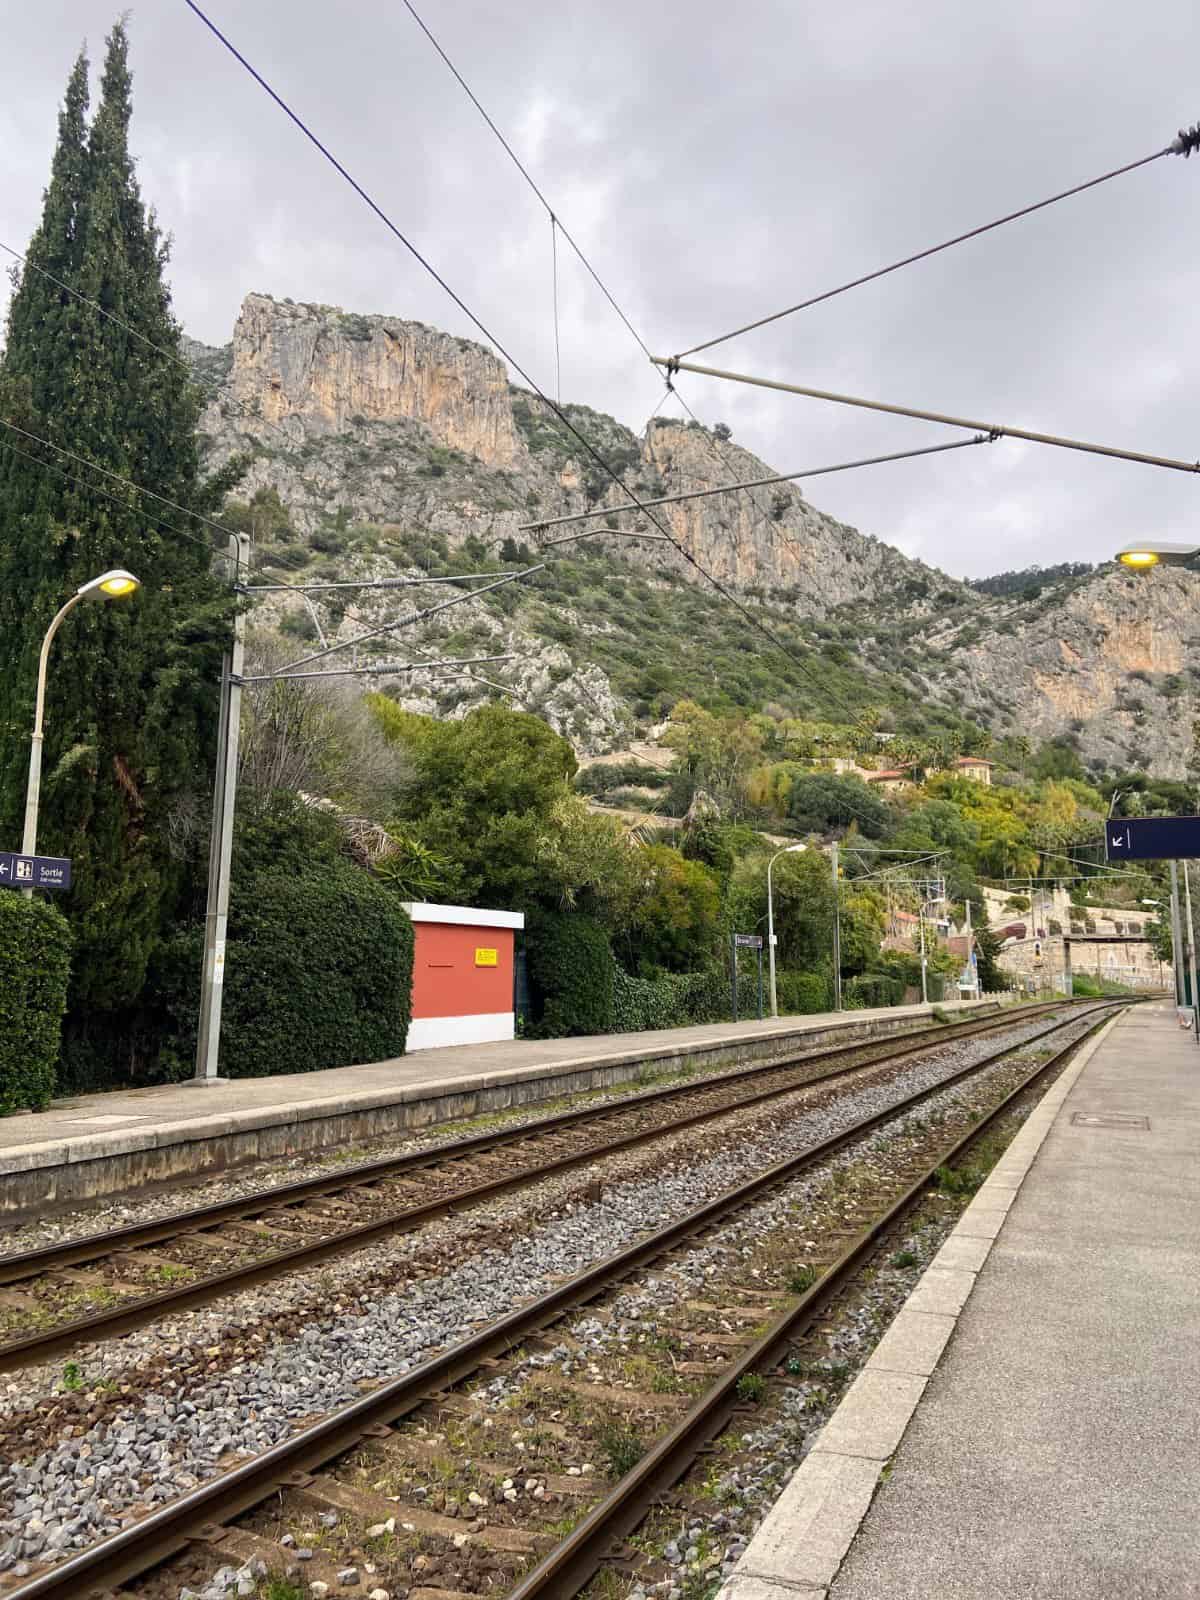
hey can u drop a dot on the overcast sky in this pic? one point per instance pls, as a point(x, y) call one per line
point(716, 162)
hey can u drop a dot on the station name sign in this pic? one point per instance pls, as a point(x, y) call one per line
point(1152, 838)
point(34, 872)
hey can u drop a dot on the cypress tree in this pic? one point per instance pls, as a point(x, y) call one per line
point(131, 703)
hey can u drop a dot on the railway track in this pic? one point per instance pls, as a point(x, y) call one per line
point(199, 1520)
point(145, 1271)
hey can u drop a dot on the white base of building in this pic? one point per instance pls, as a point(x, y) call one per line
point(485, 1027)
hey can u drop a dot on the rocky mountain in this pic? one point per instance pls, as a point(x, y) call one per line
point(393, 448)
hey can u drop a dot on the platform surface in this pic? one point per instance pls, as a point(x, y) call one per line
point(1055, 1452)
point(92, 1123)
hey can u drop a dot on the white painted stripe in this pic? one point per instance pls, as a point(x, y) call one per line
point(431, 1033)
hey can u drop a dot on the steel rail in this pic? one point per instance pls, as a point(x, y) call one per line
point(92, 1246)
point(163, 1533)
point(564, 1571)
point(132, 1314)
point(129, 1315)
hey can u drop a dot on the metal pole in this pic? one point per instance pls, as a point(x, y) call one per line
point(1191, 944)
point(924, 984)
point(1176, 934)
point(33, 789)
point(837, 935)
point(208, 1041)
point(1000, 430)
point(771, 937)
point(733, 969)
point(760, 993)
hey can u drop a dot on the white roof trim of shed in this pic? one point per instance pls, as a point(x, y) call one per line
point(464, 916)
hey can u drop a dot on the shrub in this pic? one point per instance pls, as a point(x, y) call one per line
point(318, 973)
point(35, 961)
point(800, 993)
point(671, 1000)
point(571, 975)
point(874, 989)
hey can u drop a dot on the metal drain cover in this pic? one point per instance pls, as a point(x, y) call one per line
point(1087, 1119)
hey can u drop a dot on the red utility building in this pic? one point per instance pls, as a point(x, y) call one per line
point(462, 975)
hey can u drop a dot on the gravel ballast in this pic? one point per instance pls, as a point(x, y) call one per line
point(168, 1440)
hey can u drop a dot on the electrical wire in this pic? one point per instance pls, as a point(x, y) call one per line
point(710, 444)
point(161, 522)
point(521, 168)
point(765, 520)
point(1187, 141)
point(497, 344)
point(554, 273)
point(488, 335)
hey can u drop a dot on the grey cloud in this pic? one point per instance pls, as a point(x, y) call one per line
point(717, 162)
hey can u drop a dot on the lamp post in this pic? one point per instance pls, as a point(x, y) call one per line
point(788, 849)
point(114, 585)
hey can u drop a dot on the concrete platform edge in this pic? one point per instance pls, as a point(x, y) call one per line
point(805, 1537)
point(61, 1170)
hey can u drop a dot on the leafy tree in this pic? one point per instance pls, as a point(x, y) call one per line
point(131, 707)
point(676, 923)
point(483, 794)
point(714, 753)
point(1057, 758)
point(820, 801)
point(987, 948)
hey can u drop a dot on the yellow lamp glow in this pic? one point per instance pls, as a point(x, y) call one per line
point(1139, 558)
point(109, 585)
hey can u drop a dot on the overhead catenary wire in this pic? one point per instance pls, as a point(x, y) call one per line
point(381, 669)
point(554, 288)
point(998, 430)
point(524, 171)
point(402, 238)
point(1187, 140)
point(753, 483)
point(490, 337)
point(556, 223)
point(161, 522)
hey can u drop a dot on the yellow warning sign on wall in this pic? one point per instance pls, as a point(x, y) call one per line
point(486, 958)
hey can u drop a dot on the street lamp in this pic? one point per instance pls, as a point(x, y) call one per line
point(114, 585)
point(1156, 552)
point(788, 850)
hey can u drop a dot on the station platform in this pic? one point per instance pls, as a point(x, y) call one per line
point(97, 1144)
point(1027, 1429)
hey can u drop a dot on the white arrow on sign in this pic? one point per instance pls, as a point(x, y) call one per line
point(1117, 840)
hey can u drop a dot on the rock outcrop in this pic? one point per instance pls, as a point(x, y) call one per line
point(370, 420)
point(317, 369)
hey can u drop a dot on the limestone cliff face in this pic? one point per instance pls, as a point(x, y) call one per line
point(372, 421)
point(1113, 662)
point(771, 538)
point(317, 370)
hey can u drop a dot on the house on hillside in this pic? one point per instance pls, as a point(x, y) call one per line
point(975, 768)
point(892, 779)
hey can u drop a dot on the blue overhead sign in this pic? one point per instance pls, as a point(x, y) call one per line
point(1152, 838)
point(34, 872)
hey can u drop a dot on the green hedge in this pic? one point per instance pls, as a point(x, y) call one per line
point(35, 963)
point(318, 973)
point(672, 1000)
point(800, 993)
point(874, 989)
point(571, 975)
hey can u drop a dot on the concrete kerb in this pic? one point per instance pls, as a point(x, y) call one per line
point(61, 1171)
point(803, 1541)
